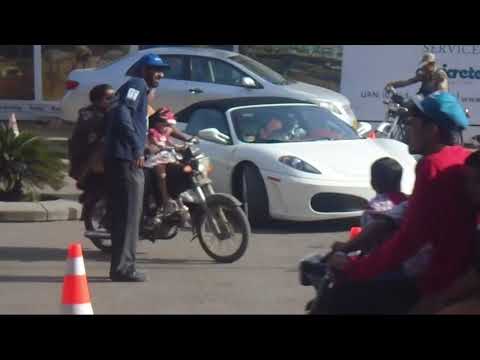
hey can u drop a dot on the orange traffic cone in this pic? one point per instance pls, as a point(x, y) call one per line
point(354, 232)
point(75, 294)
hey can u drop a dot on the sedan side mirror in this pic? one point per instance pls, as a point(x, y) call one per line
point(214, 135)
point(248, 82)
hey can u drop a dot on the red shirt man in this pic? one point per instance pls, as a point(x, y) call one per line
point(438, 213)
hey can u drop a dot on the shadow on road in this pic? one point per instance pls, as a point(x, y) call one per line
point(176, 261)
point(290, 227)
point(32, 254)
point(45, 279)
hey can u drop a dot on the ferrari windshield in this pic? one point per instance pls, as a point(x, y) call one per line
point(289, 123)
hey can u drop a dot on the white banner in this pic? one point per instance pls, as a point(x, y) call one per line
point(367, 68)
point(462, 64)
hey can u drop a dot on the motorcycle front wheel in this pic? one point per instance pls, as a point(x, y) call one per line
point(231, 244)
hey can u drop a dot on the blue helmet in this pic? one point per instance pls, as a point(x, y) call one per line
point(443, 108)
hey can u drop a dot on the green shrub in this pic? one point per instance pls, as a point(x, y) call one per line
point(26, 163)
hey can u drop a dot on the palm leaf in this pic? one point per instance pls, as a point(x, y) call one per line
point(29, 160)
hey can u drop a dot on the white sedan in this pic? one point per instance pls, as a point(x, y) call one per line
point(287, 159)
point(198, 75)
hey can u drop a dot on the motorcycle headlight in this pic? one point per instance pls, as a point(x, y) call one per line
point(298, 164)
point(204, 165)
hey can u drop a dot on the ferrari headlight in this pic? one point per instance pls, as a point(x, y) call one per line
point(298, 164)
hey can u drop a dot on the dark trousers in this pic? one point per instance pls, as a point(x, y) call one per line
point(125, 184)
point(177, 182)
point(392, 293)
point(151, 189)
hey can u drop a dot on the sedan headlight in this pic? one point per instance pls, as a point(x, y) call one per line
point(331, 106)
point(347, 108)
point(355, 124)
point(298, 164)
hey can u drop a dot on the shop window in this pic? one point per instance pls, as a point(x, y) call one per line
point(16, 72)
point(59, 60)
point(314, 64)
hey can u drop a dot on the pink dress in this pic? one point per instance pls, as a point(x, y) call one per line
point(161, 139)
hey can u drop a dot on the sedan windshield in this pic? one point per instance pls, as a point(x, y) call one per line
point(260, 70)
point(289, 123)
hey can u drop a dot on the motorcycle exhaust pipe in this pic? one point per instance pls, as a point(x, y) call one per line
point(98, 235)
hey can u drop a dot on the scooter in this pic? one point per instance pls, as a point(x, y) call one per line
point(314, 271)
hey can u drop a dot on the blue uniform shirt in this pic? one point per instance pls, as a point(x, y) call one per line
point(127, 121)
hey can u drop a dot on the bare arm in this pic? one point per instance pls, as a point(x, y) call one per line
point(371, 236)
point(177, 134)
point(403, 83)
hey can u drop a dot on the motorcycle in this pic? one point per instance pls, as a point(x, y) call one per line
point(394, 125)
point(217, 219)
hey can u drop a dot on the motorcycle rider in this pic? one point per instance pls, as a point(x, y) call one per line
point(89, 132)
point(438, 212)
point(161, 132)
point(86, 146)
point(383, 210)
point(462, 295)
point(125, 145)
point(431, 77)
point(386, 177)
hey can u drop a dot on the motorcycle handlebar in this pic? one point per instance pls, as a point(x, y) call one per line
point(390, 89)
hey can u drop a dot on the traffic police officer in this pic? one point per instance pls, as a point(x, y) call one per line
point(125, 144)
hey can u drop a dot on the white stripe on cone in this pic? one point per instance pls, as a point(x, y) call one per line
point(77, 309)
point(75, 266)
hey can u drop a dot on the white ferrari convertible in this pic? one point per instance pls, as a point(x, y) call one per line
point(290, 160)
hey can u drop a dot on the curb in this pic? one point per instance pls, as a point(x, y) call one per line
point(56, 210)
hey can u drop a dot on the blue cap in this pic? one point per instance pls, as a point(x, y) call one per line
point(444, 108)
point(153, 60)
point(147, 60)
